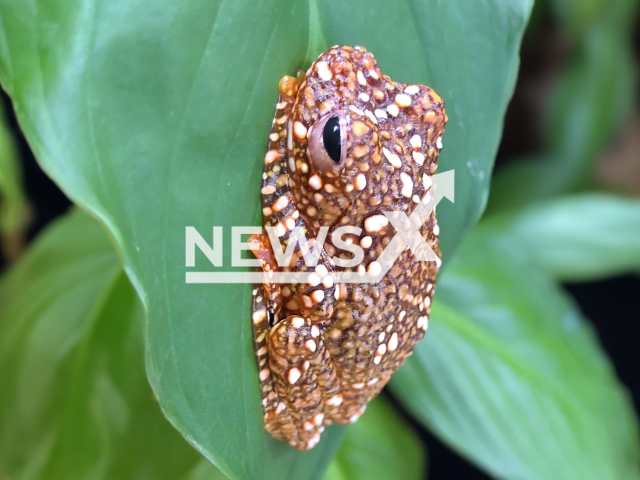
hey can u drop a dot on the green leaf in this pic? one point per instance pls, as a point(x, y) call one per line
point(576, 15)
point(379, 446)
point(573, 238)
point(590, 104)
point(154, 115)
point(512, 377)
point(75, 400)
point(14, 213)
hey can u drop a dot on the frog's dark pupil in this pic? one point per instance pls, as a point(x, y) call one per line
point(331, 138)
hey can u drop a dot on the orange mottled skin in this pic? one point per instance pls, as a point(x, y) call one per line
point(332, 347)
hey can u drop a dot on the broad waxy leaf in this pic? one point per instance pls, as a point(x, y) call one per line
point(591, 102)
point(574, 238)
point(75, 401)
point(154, 116)
point(511, 376)
point(379, 446)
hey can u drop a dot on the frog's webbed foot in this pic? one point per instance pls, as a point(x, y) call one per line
point(304, 379)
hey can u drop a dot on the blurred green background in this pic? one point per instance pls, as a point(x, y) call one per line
point(529, 367)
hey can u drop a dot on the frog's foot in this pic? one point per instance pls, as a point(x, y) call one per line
point(261, 248)
point(304, 379)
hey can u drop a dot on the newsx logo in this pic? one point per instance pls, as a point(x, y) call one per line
point(407, 235)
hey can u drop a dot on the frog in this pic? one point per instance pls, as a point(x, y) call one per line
point(347, 144)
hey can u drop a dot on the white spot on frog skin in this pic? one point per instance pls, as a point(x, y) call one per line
point(370, 116)
point(315, 331)
point(407, 185)
point(281, 406)
point(393, 342)
point(293, 375)
point(382, 349)
point(360, 76)
point(403, 100)
point(439, 143)
point(315, 182)
point(364, 97)
point(381, 337)
point(380, 113)
point(323, 71)
point(374, 269)
point(313, 280)
point(412, 89)
point(415, 141)
point(415, 199)
point(317, 296)
point(361, 181)
point(290, 136)
point(365, 242)
point(311, 345)
point(264, 374)
point(281, 203)
point(392, 157)
point(426, 181)
point(436, 229)
point(356, 110)
point(335, 401)
point(271, 156)
point(318, 419)
point(327, 281)
point(375, 223)
point(297, 322)
point(292, 164)
point(393, 110)
point(321, 270)
point(274, 137)
point(358, 386)
point(313, 441)
point(308, 426)
point(299, 130)
point(259, 315)
point(418, 157)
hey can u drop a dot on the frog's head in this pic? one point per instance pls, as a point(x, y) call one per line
point(360, 143)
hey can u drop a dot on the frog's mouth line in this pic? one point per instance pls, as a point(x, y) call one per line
point(407, 235)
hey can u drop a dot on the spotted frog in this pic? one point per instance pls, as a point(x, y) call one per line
point(347, 144)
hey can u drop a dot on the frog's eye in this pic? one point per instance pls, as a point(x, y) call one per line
point(327, 143)
point(331, 138)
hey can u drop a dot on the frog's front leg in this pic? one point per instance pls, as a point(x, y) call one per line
point(304, 379)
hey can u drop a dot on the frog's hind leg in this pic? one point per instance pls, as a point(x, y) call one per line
point(303, 376)
point(277, 419)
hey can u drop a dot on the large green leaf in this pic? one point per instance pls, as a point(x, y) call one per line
point(154, 116)
point(573, 238)
point(590, 104)
point(380, 446)
point(511, 376)
point(75, 401)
